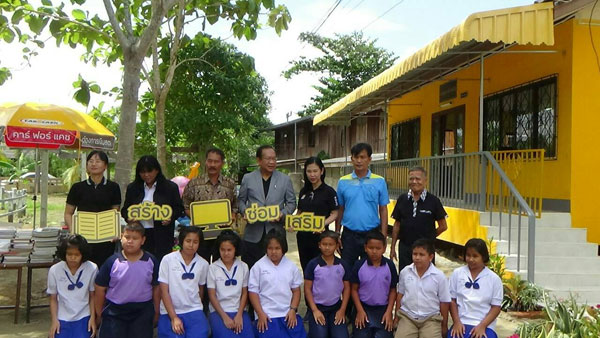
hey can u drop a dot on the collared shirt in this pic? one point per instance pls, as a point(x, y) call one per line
point(374, 282)
point(422, 295)
point(417, 218)
point(148, 196)
point(474, 304)
point(202, 189)
point(88, 196)
point(183, 292)
point(128, 282)
point(274, 284)
point(361, 199)
point(73, 304)
point(228, 295)
point(321, 201)
point(328, 280)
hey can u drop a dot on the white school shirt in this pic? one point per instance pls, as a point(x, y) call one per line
point(228, 295)
point(148, 196)
point(72, 304)
point(474, 304)
point(184, 293)
point(274, 284)
point(421, 296)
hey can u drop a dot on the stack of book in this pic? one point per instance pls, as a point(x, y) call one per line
point(45, 241)
point(6, 236)
point(20, 250)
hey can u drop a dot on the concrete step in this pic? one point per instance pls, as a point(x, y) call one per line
point(589, 296)
point(565, 281)
point(574, 249)
point(550, 234)
point(548, 219)
point(557, 264)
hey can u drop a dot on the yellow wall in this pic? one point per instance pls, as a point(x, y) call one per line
point(585, 152)
point(502, 71)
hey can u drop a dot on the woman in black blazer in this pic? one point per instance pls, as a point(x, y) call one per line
point(151, 185)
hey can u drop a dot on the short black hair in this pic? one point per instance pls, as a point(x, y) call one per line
point(192, 229)
point(329, 234)
point(102, 155)
point(135, 226)
point(231, 237)
point(260, 149)
point(359, 147)
point(279, 236)
point(424, 243)
point(375, 234)
point(148, 163)
point(418, 168)
point(480, 246)
point(74, 241)
point(217, 151)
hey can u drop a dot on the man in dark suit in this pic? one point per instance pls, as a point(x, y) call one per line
point(266, 187)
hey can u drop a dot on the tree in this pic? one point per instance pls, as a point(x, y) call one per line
point(217, 98)
point(132, 27)
point(347, 62)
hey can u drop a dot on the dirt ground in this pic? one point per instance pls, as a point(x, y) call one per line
point(40, 318)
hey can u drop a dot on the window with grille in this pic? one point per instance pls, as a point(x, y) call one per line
point(523, 117)
point(405, 139)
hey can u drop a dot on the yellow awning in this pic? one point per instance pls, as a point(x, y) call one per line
point(480, 32)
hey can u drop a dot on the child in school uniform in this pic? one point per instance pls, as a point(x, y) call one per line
point(326, 279)
point(374, 280)
point(182, 277)
point(71, 290)
point(227, 285)
point(274, 287)
point(127, 294)
point(423, 298)
point(476, 293)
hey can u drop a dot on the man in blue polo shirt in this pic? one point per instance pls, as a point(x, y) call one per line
point(363, 200)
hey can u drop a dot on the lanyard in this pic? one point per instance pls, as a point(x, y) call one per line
point(230, 280)
point(187, 274)
point(472, 283)
point(77, 284)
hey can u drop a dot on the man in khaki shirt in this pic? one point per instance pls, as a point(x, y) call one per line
point(212, 185)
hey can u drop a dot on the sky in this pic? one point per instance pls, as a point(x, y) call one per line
point(401, 27)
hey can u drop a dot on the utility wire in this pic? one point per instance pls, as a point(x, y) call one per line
point(328, 15)
point(591, 36)
point(382, 15)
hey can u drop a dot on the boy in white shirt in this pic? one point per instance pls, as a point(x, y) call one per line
point(423, 297)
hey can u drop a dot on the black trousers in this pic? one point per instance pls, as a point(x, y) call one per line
point(405, 256)
point(131, 320)
point(208, 251)
point(308, 247)
point(159, 240)
point(353, 246)
point(101, 252)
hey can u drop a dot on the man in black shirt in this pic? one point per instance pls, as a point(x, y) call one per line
point(415, 215)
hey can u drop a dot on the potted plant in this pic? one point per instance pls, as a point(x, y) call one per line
point(521, 298)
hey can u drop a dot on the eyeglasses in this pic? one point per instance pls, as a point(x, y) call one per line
point(230, 280)
point(77, 284)
point(187, 274)
point(474, 284)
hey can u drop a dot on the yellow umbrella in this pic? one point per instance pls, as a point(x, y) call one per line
point(33, 125)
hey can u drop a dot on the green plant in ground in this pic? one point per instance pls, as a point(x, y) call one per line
point(497, 261)
point(520, 295)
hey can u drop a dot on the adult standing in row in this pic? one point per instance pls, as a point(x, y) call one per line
point(151, 185)
point(95, 194)
point(415, 215)
point(265, 186)
point(212, 185)
point(363, 199)
point(319, 198)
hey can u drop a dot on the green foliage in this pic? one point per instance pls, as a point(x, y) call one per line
point(5, 74)
point(497, 261)
point(323, 155)
point(347, 62)
point(14, 169)
point(216, 99)
point(520, 295)
point(71, 175)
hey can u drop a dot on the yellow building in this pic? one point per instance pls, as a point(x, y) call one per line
point(521, 85)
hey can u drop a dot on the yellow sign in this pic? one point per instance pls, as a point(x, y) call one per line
point(212, 216)
point(149, 211)
point(262, 214)
point(97, 227)
point(306, 221)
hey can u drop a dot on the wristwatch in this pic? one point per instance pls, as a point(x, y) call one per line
point(294, 308)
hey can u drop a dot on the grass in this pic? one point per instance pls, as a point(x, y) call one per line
point(56, 208)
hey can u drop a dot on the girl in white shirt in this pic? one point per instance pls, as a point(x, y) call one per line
point(182, 276)
point(227, 285)
point(71, 290)
point(476, 294)
point(274, 287)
